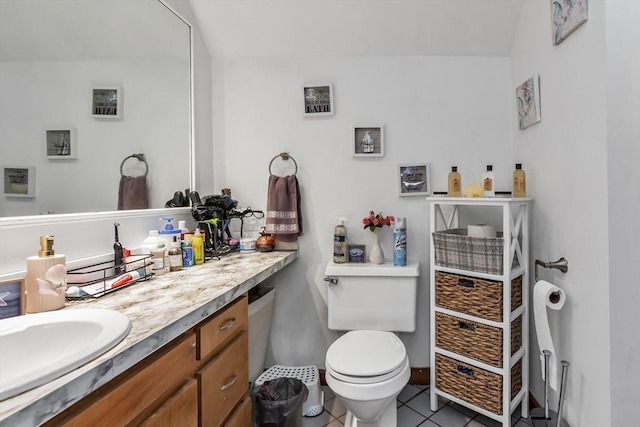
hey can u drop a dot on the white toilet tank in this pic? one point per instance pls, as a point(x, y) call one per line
point(374, 297)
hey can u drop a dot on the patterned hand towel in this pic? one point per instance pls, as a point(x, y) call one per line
point(284, 216)
point(133, 193)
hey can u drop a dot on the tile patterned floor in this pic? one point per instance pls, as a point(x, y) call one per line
point(413, 410)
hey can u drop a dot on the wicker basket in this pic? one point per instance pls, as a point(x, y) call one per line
point(474, 385)
point(475, 296)
point(453, 248)
point(475, 340)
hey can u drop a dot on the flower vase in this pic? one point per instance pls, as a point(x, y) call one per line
point(375, 255)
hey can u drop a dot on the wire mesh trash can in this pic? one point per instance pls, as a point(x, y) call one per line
point(278, 403)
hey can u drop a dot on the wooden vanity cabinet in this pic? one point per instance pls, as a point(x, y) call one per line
point(199, 379)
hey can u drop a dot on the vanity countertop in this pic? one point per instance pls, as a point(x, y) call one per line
point(160, 310)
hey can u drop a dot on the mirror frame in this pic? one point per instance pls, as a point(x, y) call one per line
point(12, 221)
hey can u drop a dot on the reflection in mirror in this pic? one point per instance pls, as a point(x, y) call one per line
point(85, 85)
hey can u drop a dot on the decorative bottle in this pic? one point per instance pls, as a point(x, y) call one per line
point(400, 241)
point(340, 243)
point(487, 182)
point(519, 182)
point(455, 183)
point(46, 279)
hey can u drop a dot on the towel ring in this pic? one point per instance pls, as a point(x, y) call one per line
point(284, 156)
point(140, 157)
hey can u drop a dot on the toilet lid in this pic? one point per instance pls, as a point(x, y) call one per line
point(366, 354)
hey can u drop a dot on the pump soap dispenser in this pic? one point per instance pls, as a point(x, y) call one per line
point(46, 279)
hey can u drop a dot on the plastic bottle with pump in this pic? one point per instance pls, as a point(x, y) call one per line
point(43, 294)
point(340, 242)
point(168, 232)
point(400, 241)
point(487, 182)
point(197, 243)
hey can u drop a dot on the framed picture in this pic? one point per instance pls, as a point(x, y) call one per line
point(61, 143)
point(19, 181)
point(356, 253)
point(317, 99)
point(528, 102)
point(414, 180)
point(566, 17)
point(12, 298)
point(106, 102)
point(368, 141)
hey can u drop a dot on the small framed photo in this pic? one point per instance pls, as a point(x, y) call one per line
point(61, 143)
point(106, 102)
point(12, 298)
point(368, 141)
point(19, 181)
point(356, 253)
point(414, 180)
point(317, 99)
point(566, 17)
point(528, 102)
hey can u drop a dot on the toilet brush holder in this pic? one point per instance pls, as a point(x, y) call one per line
point(545, 417)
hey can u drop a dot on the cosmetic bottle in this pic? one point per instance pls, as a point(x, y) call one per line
point(455, 183)
point(175, 255)
point(519, 182)
point(46, 279)
point(487, 182)
point(197, 243)
point(340, 243)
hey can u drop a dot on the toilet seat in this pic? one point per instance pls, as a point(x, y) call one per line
point(366, 357)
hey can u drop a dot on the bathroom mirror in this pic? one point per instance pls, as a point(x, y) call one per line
point(66, 68)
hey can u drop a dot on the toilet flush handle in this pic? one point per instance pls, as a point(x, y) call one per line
point(331, 280)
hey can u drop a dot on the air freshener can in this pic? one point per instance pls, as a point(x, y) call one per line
point(400, 241)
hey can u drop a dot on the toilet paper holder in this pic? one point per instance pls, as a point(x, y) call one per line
point(562, 264)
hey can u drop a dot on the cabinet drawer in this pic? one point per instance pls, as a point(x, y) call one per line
point(475, 296)
point(224, 325)
point(223, 382)
point(241, 416)
point(181, 409)
point(475, 340)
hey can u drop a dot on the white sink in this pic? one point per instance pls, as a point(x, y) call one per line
point(38, 348)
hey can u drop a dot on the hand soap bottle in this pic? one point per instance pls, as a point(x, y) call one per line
point(46, 279)
point(340, 243)
point(455, 183)
point(487, 182)
point(519, 182)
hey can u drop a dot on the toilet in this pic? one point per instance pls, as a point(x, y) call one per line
point(367, 367)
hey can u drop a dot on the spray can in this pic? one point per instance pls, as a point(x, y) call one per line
point(400, 241)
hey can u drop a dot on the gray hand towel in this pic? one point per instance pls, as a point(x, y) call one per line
point(133, 193)
point(284, 216)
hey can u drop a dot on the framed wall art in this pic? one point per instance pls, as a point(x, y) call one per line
point(12, 298)
point(368, 141)
point(414, 180)
point(317, 99)
point(566, 17)
point(106, 102)
point(356, 253)
point(19, 181)
point(528, 102)
point(61, 143)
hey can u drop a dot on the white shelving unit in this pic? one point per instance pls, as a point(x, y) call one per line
point(445, 214)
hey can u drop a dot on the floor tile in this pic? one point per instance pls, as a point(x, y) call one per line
point(407, 417)
point(335, 407)
point(490, 422)
point(523, 422)
point(450, 417)
point(421, 404)
point(463, 409)
point(328, 393)
point(408, 392)
point(320, 420)
point(335, 423)
point(428, 423)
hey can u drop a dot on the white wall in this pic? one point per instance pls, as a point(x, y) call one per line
point(153, 92)
point(439, 110)
point(565, 159)
point(623, 120)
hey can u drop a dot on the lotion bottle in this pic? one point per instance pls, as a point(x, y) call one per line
point(340, 243)
point(455, 183)
point(197, 243)
point(46, 283)
point(519, 182)
point(487, 182)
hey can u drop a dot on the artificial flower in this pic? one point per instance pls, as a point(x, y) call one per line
point(374, 221)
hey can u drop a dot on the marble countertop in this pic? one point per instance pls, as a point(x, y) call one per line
point(160, 310)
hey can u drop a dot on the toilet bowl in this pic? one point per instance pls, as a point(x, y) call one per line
point(367, 370)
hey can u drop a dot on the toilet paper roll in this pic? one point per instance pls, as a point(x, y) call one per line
point(546, 295)
point(481, 230)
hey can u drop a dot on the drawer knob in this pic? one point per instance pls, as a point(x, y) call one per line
point(228, 324)
point(230, 383)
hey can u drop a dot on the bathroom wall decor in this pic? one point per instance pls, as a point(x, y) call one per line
point(414, 180)
point(61, 142)
point(368, 141)
point(528, 102)
point(317, 99)
point(566, 17)
point(106, 102)
point(12, 298)
point(19, 181)
point(356, 253)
